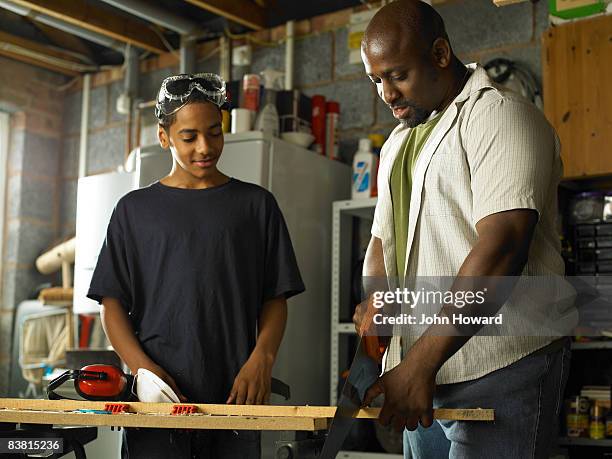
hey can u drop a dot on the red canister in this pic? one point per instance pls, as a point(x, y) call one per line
point(251, 83)
point(318, 123)
point(331, 130)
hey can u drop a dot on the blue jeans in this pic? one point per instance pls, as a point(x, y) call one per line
point(527, 398)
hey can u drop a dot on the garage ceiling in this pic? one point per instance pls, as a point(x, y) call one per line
point(76, 36)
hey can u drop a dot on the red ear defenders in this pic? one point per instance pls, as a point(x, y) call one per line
point(95, 382)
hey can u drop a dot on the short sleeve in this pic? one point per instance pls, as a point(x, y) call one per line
point(282, 275)
point(111, 277)
point(511, 153)
point(376, 227)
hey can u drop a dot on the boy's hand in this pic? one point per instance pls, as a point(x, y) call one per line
point(252, 384)
point(159, 371)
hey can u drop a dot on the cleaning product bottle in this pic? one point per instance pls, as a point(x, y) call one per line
point(364, 165)
point(267, 119)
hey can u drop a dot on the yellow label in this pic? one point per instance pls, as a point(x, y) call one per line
point(354, 40)
point(564, 5)
point(597, 431)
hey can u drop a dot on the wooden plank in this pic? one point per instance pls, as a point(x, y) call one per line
point(37, 63)
point(92, 17)
point(328, 412)
point(64, 40)
point(507, 2)
point(165, 421)
point(36, 47)
point(242, 12)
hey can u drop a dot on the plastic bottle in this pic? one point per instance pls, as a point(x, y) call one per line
point(267, 119)
point(364, 165)
point(331, 130)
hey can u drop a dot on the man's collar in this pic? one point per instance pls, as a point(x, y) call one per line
point(478, 80)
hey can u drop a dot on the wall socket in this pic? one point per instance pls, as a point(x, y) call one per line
point(242, 55)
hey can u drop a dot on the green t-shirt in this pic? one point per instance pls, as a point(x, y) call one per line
point(401, 185)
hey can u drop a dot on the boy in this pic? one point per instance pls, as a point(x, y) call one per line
point(194, 276)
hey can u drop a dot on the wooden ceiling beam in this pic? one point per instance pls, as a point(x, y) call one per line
point(96, 19)
point(36, 47)
point(64, 40)
point(243, 12)
point(37, 63)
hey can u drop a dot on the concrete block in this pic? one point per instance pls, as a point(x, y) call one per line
point(384, 116)
point(211, 65)
point(476, 24)
point(70, 157)
point(72, 112)
point(38, 198)
point(33, 241)
point(541, 18)
point(6, 330)
point(343, 67)
point(11, 248)
point(41, 155)
point(356, 99)
point(16, 149)
point(13, 198)
point(106, 150)
point(151, 82)
point(68, 200)
point(529, 56)
point(21, 285)
point(8, 288)
point(99, 107)
point(313, 59)
point(266, 57)
point(116, 89)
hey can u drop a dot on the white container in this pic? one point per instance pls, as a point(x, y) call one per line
point(242, 120)
point(364, 171)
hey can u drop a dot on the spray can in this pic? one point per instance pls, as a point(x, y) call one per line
point(364, 165)
point(318, 123)
point(251, 87)
point(331, 130)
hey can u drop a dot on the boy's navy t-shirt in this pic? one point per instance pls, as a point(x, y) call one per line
point(193, 269)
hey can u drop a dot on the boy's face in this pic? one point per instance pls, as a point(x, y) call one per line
point(195, 139)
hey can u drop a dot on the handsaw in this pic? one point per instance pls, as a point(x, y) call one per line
point(363, 373)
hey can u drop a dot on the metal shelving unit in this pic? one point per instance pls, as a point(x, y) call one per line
point(570, 441)
point(342, 231)
point(592, 345)
point(342, 235)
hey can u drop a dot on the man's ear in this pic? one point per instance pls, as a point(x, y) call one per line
point(162, 135)
point(441, 51)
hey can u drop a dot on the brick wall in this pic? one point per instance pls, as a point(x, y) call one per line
point(32, 97)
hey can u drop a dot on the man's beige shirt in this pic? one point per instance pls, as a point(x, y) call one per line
point(492, 151)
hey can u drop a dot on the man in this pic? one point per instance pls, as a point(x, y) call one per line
point(467, 187)
point(194, 277)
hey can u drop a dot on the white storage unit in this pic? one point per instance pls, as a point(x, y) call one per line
point(342, 235)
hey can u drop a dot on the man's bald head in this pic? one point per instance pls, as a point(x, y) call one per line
point(407, 55)
point(404, 23)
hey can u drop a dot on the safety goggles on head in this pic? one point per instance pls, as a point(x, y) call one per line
point(176, 90)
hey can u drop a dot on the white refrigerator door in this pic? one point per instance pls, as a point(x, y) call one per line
point(97, 196)
point(246, 157)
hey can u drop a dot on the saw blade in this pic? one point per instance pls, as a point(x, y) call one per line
point(363, 373)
